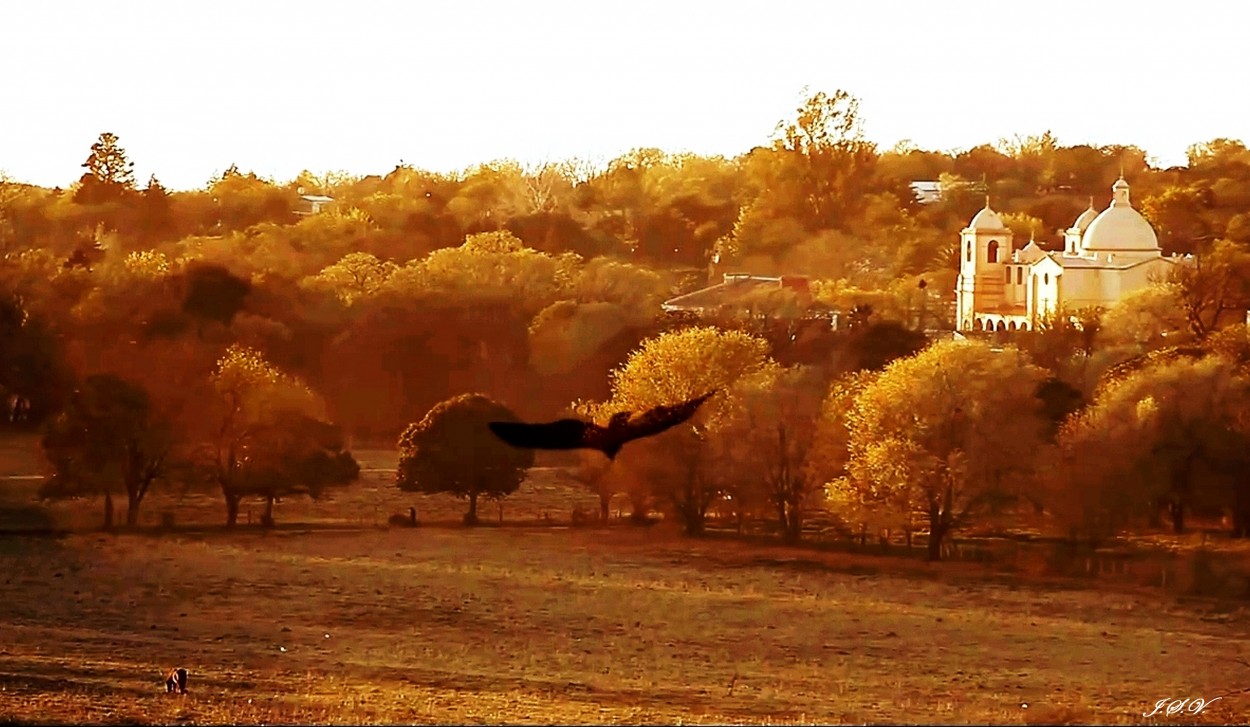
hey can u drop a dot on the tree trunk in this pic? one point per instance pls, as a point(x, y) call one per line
point(266, 520)
point(1240, 512)
point(693, 519)
point(605, 501)
point(935, 544)
point(1241, 524)
point(794, 526)
point(470, 518)
point(638, 508)
point(132, 509)
point(1177, 511)
point(937, 531)
point(232, 510)
point(108, 510)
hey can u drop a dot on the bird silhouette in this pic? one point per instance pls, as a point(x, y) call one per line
point(622, 428)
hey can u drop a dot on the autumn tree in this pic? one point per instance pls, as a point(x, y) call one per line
point(260, 415)
point(33, 368)
point(947, 434)
point(1213, 287)
point(834, 161)
point(1170, 434)
point(356, 275)
point(767, 434)
point(212, 293)
point(830, 459)
point(292, 453)
point(593, 471)
point(566, 333)
point(453, 450)
point(874, 345)
point(681, 465)
point(1146, 318)
point(110, 173)
point(489, 267)
point(109, 437)
point(242, 200)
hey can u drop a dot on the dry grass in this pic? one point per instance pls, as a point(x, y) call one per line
point(332, 620)
point(512, 625)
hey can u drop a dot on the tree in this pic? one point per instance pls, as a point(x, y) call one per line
point(1214, 286)
point(110, 173)
point(871, 347)
point(243, 200)
point(452, 450)
point(213, 293)
point(260, 414)
point(1170, 433)
point(831, 456)
point(293, 454)
point(565, 334)
point(1146, 318)
point(109, 436)
point(489, 267)
point(833, 161)
point(356, 275)
point(947, 434)
point(768, 436)
point(682, 466)
point(592, 471)
point(33, 370)
point(156, 221)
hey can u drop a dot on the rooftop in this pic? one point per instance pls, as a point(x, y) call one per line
point(728, 294)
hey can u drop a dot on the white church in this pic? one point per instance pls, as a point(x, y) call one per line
point(1105, 256)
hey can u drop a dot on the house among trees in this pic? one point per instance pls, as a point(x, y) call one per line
point(927, 191)
point(1105, 256)
point(311, 204)
point(743, 295)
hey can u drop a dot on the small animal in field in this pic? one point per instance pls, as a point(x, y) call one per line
point(176, 681)
point(622, 428)
point(404, 521)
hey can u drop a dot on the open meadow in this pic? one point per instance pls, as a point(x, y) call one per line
point(333, 618)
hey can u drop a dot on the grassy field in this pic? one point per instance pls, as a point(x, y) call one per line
point(332, 619)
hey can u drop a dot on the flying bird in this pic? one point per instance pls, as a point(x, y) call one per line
point(623, 427)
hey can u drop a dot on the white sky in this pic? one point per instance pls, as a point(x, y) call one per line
point(276, 87)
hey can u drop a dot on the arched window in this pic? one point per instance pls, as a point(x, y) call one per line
point(992, 252)
point(1020, 275)
point(1046, 279)
point(968, 252)
point(1009, 276)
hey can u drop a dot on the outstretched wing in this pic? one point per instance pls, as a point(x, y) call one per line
point(654, 421)
point(562, 434)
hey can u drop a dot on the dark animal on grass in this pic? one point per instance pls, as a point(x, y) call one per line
point(622, 428)
point(176, 681)
point(404, 521)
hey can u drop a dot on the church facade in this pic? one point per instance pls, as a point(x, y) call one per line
point(1105, 256)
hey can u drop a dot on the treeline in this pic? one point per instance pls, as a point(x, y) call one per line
point(531, 285)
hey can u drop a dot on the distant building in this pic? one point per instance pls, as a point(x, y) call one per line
point(1105, 256)
point(311, 204)
point(740, 295)
point(927, 192)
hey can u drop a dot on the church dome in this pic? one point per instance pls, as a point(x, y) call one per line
point(987, 219)
point(1120, 227)
point(1087, 217)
